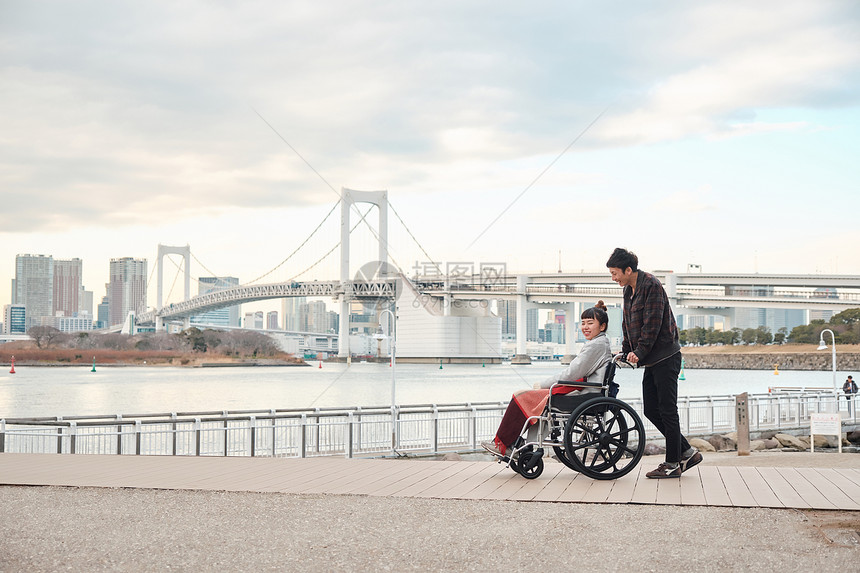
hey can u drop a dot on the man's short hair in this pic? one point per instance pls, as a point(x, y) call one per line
point(621, 259)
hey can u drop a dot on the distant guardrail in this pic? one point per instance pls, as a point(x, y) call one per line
point(362, 431)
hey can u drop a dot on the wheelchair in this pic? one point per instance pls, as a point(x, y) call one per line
point(593, 433)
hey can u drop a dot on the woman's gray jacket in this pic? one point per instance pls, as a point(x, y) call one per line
point(590, 363)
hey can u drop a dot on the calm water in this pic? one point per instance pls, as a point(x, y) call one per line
point(67, 391)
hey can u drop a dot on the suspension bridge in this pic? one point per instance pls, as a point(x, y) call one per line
point(448, 313)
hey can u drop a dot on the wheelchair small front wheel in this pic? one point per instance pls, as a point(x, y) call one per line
point(530, 464)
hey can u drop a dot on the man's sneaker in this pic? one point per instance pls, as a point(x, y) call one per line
point(490, 446)
point(664, 470)
point(691, 461)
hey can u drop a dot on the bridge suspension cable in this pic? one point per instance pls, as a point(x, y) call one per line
point(199, 262)
point(399, 218)
point(175, 276)
point(282, 263)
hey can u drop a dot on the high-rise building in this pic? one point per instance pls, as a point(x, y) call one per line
point(103, 316)
point(532, 324)
point(554, 332)
point(317, 315)
point(291, 310)
point(79, 323)
point(272, 320)
point(127, 291)
point(507, 310)
point(33, 286)
point(254, 320)
point(67, 287)
point(14, 319)
point(228, 316)
point(87, 301)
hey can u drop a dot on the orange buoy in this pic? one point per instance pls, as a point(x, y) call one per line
point(13, 366)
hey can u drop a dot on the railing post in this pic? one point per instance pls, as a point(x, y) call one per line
point(473, 426)
point(173, 417)
point(59, 436)
point(73, 431)
point(435, 429)
point(395, 418)
point(2, 436)
point(272, 412)
point(358, 427)
point(196, 436)
point(317, 436)
point(138, 437)
point(119, 435)
point(349, 422)
point(304, 437)
point(711, 415)
point(226, 426)
point(689, 413)
point(253, 423)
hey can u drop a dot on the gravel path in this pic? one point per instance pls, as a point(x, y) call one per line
point(91, 529)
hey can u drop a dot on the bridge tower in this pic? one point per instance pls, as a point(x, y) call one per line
point(350, 197)
point(186, 254)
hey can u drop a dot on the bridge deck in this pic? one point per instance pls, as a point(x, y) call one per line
point(802, 488)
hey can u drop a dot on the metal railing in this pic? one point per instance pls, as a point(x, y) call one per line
point(364, 432)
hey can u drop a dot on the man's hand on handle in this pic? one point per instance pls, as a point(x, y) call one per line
point(632, 358)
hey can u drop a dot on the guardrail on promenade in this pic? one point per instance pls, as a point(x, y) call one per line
point(358, 431)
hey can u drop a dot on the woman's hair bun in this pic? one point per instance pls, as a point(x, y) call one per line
point(600, 305)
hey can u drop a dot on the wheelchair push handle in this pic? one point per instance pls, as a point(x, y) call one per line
point(619, 358)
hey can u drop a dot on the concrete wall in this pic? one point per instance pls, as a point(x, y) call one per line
point(428, 329)
point(765, 360)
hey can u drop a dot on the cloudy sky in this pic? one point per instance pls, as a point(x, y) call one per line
point(725, 134)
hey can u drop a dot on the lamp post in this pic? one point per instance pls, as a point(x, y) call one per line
point(822, 346)
point(393, 337)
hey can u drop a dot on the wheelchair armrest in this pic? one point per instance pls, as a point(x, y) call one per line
point(578, 384)
point(557, 389)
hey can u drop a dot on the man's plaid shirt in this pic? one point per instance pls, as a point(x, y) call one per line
point(649, 326)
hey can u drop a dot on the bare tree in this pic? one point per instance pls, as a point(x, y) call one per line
point(46, 336)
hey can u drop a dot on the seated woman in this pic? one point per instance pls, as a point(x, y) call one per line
point(588, 364)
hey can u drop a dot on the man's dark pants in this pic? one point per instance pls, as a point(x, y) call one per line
point(660, 404)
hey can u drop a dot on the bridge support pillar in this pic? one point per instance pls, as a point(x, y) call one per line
point(343, 329)
point(521, 357)
point(186, 254)
point(672, 292)
point(348, 198)
point(572, 315)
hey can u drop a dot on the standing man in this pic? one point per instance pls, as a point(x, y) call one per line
point(850, 388)
point(651, 341)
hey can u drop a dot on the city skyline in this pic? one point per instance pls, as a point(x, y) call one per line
point(721, 134)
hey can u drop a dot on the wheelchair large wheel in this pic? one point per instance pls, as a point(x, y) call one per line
point(562, 457)
point(604, 438)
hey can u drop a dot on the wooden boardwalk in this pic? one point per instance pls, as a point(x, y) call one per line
point(802, 488)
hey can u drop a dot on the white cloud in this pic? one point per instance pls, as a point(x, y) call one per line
point(686, 202)
point(122, 115)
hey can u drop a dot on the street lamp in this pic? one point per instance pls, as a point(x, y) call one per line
point(393, 337)
point(822, 346)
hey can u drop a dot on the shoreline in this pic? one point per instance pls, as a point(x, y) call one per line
point(799, 357)
point(131, 364)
